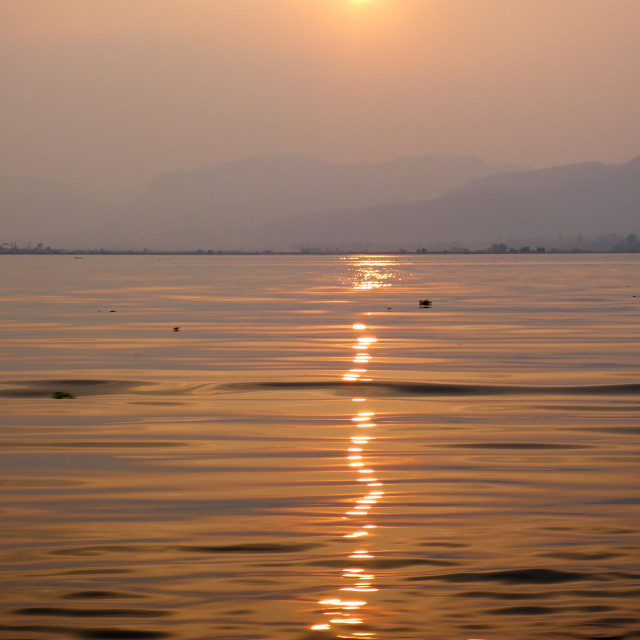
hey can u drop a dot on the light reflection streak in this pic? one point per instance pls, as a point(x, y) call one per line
point(357, 517)
point(372, 272)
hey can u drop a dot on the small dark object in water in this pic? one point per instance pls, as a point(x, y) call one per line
point(176, 328)
point(61, 395)
point(112, 311)
point(425, 303)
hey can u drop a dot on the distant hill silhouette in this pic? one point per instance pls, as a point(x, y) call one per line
point(288, 202)
point(213, 206)
point(591, 199)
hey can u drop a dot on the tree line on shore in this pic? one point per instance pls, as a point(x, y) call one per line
point(630, 244)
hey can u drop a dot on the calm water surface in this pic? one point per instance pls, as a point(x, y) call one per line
point(313, 456)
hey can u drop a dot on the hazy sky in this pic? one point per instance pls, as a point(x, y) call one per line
point(107, 93)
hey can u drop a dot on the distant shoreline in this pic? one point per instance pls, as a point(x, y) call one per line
point(303, 252)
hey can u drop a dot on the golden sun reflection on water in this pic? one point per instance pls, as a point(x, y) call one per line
point(365, 273)
point(372, 272)
point(357, 518)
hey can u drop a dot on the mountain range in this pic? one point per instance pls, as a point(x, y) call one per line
point(292, 202)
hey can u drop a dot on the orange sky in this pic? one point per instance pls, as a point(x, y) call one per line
point(107, 93)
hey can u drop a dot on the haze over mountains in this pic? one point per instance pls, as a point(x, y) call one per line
point(541, 206)
point(291, 202)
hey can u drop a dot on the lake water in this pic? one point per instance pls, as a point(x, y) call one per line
point(311, 455)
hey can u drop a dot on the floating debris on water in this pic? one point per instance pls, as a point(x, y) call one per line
point(61, 395)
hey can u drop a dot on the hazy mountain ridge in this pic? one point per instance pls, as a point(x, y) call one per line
point(219, 204)
point(285, 183)
point(214, 205)
point(284, 202)
point(591, 199)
